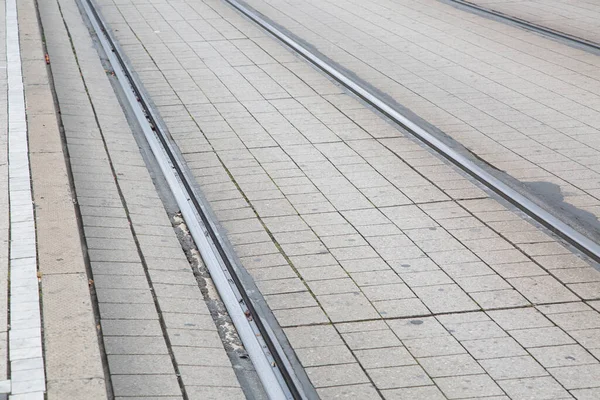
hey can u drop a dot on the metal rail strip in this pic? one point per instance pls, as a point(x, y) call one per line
point(575, 40)
point(562, 229)
point(273, 368)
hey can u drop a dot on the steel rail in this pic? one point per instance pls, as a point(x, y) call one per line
point(578, 41)
point(560, 228)
point(271, 365)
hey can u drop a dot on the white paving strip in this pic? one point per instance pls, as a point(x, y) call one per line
point(25, 336)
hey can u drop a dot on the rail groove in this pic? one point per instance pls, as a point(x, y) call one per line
point(554, 224)
point(278, 377)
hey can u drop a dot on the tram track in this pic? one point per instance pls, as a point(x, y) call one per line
point(555, 224)
point(544, 30)
point(279, 378)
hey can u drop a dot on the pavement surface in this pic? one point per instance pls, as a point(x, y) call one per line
point(577, 18)
point(391, 273)
point(386, 267)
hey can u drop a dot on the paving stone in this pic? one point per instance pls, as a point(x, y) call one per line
point(145, 385)
point(309, 336)
point(363, 326)
point(347, 307)
point(360, 391)
point(127, 311)
point(208, 375)
point(588, 338)
point(189, 337)
point(542, 289)
point(371, 278)
point(401, 308)
point(317, 356)
point(325, 272)
point(537, 337)
point(371, 339)
point(397, 377)
point(482, 283)
point(519, 318)
point(384, 357)
point(435, 346)
point(126, 296)
point(533, 388)
point(135, 345)
point(300, 316)
point(577, 377)
point(414, 393)
point(426, 278)
point(468, 386)
point(493, 348)
point(336, 375)
point(201, 356)
point(562, 356)
point(182, 306)
point(445, 298)
point(136, 327)
point(513, 367)
point(450, 365)
point(496, 299)
point(587, 291)
point(392, 291)
point(475, 330)
point(333, 286)
point(586, 394)
point(417, 328)
point(291, 300)
point(140, 364)
point(576, 320)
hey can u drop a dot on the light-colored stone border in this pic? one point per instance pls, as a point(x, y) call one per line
point(25, 335)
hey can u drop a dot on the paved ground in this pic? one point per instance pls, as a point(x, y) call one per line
point(579, 18)
point(392, 274)
point(525, 104)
